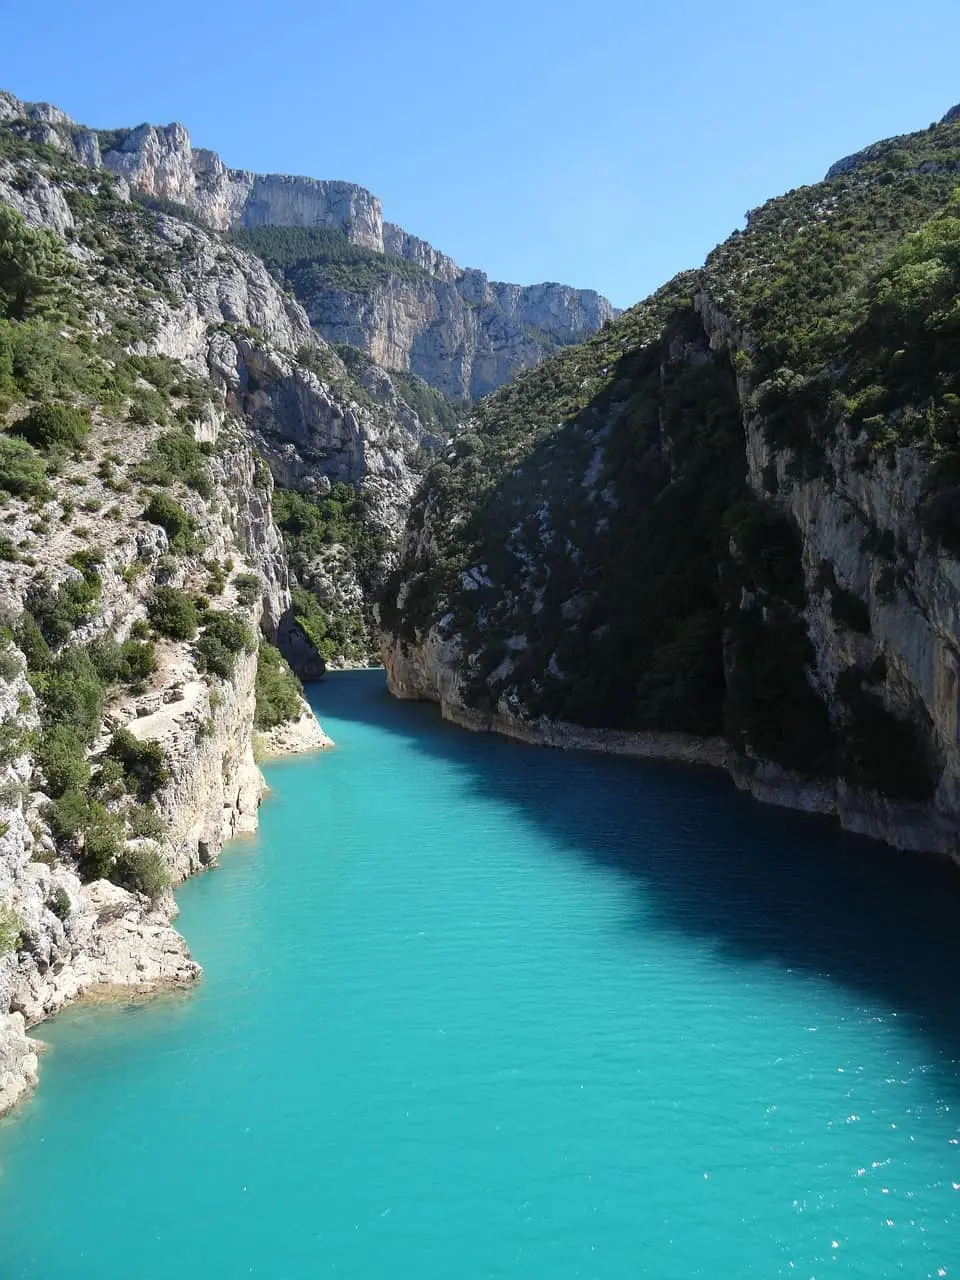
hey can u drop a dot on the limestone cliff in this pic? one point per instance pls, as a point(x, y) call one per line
point(453, 327)
point(745, 530)
point(142, 573)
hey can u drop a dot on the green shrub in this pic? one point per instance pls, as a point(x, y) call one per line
point(30, 640)
point(10, 664)
point(72, 694)
point(144, 763)
point(11, 929)
point(224, 638)
point(176, 456)
point(110, 781)
point(148, 407)
point(173, 613)
point(33, 267)
point(278, 689)
point(102, 843)
point(58, 612)
point(14, 740)
point(141, 869)
point(126, 662)
point(92, 831)
point(22, 470)
point(144, 821)
point(249, 587)
point(62, 759)
point(179, 526)
point(59, 903)
point(54, 426)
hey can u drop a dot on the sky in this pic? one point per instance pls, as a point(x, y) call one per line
point(606, 144)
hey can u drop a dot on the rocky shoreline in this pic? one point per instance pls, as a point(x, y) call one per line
point(293, 737)
point(427, 672)
point(126, 946)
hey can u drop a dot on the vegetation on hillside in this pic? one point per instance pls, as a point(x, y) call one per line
point(591, 534)
point(310, 260)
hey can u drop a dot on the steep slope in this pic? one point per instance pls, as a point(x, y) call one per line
point(364, 282)
point(726, 526)
point(191, 295)
point(147, 371)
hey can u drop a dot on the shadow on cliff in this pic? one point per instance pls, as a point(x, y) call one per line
point(756, 884)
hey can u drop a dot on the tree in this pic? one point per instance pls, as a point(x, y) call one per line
point(33, 267)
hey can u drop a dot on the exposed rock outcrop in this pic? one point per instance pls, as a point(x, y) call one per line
point(453, 327)
point(734, 511)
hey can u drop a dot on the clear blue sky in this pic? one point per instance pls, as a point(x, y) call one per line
point(604, 143)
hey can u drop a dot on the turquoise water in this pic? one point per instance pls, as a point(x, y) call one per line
point(476, 1010)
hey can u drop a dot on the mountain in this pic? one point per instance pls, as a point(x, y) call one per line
point(364, 282)
point(195, 492)
point(727, 527)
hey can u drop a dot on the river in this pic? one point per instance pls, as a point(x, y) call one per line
point(475, 1009)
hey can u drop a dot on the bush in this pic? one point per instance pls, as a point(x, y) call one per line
point(59, 903)
point(68, 815)
point(10, 929)
point(144, 763)
point(57, 613)
point(248, 587)
point(32, 643)
point(102, 843)
point(72, 694)
point(129, 662)
point(33, 267)
point(92, 830)
point(148, 407)
point(173, 613)
point(162, 510)
point(278, 689)
point(141, 869)
point(224, 637)
point(143, 821)
point(61, 757)
point(22, 470)
point(54, 426)
point(176, 456)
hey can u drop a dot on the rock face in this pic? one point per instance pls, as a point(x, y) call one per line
point(221, 341)
point(738, 539)
point(459, 331)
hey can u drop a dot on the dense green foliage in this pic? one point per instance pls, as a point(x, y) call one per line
point(54, 426)
point(22, 470)
point(591, 537)
point(437, 414)
point(142, 869)
point(313, 259)
point(171, 517)
point(63, 760)
point(176, 456)
point(10, 929)
point(58, 612)
point(144, 764)
point(278, 689)
point(313, 526)
point(33, 268)
point(224, 637)
point(173, 613)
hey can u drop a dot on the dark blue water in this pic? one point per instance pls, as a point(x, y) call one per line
point(472, 1009)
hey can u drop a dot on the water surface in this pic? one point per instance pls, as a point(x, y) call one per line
point(473, 1009)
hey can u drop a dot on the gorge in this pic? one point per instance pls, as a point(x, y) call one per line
point(252, 432)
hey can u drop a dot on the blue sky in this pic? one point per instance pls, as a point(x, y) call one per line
point(604, 143)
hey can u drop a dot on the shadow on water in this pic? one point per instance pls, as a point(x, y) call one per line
point(758, 884)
